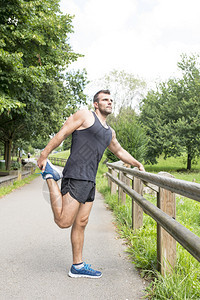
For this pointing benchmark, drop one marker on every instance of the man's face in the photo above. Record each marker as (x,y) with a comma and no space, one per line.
(105,103)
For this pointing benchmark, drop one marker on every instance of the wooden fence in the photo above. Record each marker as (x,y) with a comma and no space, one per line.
(17,175)
(58,161)
(130,181)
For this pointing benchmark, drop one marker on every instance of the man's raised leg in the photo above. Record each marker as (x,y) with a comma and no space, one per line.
(65,208)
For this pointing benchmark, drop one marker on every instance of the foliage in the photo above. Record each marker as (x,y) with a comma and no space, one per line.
(34,52)
(75,84)
(15,166)
(170,115)
(7,104)
(126,89)
(67,143)
(129,134)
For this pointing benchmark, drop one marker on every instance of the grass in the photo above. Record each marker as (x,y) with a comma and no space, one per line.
(176,167)
(172,164)
(63,154)
(184,282)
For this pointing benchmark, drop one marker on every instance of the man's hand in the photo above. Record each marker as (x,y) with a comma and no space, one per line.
(141,167)
(41,162)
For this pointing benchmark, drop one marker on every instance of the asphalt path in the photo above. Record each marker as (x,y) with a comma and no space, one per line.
(35,254)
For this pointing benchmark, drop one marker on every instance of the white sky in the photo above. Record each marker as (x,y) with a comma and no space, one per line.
(143,37)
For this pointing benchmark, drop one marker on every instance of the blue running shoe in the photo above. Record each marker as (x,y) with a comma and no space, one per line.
(51,172)
(85,271)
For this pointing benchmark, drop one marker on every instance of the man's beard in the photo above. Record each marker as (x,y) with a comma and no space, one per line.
(106,111)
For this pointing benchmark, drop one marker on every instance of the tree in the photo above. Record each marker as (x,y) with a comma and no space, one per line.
(129,134)
(67,143)
(126,89)
(75,85)
(34,52)
(170,114)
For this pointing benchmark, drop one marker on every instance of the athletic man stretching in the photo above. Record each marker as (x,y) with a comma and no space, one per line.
(72,205)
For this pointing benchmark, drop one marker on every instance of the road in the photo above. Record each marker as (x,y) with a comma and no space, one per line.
(35,254)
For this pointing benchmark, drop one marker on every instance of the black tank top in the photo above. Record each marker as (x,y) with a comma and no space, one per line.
(88,146)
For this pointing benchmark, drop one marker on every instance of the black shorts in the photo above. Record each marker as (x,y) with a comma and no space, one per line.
(81,190)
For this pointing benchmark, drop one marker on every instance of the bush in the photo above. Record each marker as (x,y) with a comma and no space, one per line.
(15,166)
(129,133)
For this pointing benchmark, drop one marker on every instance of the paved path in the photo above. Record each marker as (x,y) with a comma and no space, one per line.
(35,254)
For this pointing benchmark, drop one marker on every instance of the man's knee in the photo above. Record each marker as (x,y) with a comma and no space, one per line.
(82,222)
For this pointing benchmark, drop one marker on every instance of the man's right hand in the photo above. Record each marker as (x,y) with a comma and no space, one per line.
(41,162)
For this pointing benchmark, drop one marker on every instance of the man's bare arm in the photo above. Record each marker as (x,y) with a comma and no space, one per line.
(72,123)
(122,154)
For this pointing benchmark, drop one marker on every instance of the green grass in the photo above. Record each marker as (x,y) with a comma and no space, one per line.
(16,184)
(184,282)
(172,164)
(63,154)
(176,167)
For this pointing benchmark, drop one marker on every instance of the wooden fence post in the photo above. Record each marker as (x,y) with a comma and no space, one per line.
(113,186)
(109,180)
(121,193)
(19,175)
(166,244)
(137,211)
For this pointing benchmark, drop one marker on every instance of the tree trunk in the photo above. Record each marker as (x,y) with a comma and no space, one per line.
(7,153)
(189,162)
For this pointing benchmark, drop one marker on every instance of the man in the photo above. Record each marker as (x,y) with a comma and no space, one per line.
(72,205)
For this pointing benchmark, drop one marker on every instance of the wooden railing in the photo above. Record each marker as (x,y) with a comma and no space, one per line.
(168,229)
(17,175)
(58,161)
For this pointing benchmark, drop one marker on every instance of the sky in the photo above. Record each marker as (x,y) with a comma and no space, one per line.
(142,37)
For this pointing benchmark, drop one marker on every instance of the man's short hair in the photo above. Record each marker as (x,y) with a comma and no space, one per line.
(96,96)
